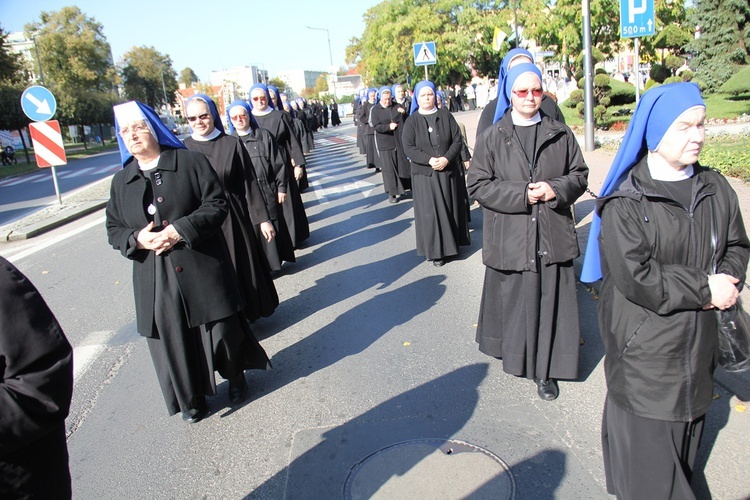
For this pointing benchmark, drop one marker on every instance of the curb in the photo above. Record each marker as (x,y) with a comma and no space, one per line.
(56,221)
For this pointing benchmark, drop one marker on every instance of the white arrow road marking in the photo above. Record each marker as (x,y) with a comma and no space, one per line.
(42,106)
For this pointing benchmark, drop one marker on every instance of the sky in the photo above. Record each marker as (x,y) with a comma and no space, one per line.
(216,35)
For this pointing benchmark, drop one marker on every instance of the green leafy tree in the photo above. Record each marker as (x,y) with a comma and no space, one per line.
(13,78)
(321,85)
(147,75)
(76,62)
(461,29)
(278,83)
(724,44)
(188,77)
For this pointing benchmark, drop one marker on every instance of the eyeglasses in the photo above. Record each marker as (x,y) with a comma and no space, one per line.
(523,93)
(137,127)
(202,117)
(259,98)
(236,118)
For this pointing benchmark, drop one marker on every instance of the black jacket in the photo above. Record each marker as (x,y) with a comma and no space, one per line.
(380,120)
(192,199)
(419,150)
(498,179)
(656,255)
(36,385)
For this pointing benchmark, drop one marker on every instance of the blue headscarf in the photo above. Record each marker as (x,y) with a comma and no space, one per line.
(393,90)
(503,102)
(655,113)
(273,90)
(264,88)
(512,76)
(211,108)
(382,89)
(417,88)
(367,95)
(133,110)
(248,110)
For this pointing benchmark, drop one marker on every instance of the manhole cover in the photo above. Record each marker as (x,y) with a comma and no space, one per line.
(430,468)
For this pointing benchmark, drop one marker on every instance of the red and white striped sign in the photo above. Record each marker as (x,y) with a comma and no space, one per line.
(48,143)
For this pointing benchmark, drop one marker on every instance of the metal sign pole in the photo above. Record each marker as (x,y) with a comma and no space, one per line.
(588,69)
(425,73)
(57,186)
(637,44)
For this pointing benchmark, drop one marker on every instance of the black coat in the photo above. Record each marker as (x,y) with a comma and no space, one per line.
(498,179)
(380,120)
(192,199)
(36,385)
(660,344)
(417,143)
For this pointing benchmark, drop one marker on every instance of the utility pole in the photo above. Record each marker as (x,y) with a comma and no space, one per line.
(588,70)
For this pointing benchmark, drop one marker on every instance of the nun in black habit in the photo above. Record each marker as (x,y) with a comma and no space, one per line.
(280,126)
(432,141)
(271,175)
(387,122)
(165,213)
(527,173)
(368,133)
(246,207)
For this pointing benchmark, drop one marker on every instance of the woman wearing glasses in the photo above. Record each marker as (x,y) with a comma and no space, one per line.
(231,162)
(281,128)
(527,172)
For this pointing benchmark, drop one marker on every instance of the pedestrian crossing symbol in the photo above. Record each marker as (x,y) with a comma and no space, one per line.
(424,54)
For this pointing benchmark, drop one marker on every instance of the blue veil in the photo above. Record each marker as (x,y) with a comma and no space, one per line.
(133,110)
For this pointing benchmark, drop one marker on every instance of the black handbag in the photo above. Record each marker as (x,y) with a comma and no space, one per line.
(733,323)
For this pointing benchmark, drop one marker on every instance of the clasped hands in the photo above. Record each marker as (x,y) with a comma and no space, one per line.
(160,241)
(724,292)
(438,163)
(539,191)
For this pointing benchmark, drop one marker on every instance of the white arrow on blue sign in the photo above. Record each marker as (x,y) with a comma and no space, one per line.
(38,103)
(637,18)
(424,54)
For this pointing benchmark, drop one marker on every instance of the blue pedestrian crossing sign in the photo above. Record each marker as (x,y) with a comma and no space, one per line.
(38,103)
(637,18)
(424,53)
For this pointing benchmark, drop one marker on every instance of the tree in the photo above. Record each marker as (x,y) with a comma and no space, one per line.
(278,83)
(321,85)
(148,77)
(724,43)
(188,77)
(13,79)
(75,59)
(384,52)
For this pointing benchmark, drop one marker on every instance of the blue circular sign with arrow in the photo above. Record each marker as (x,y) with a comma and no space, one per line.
(38,103)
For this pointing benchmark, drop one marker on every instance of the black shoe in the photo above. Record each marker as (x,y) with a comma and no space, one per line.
(237,388)
(547,389)
(196,414)
(438,262)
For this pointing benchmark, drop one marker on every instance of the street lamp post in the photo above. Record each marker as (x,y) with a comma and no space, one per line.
(328,33)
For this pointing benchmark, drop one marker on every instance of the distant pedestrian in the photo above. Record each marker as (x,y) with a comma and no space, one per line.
(386,121)
(527,172)
(36,386)
(432,141)
(471,96)
(335,120)
(368,133)
(651,241)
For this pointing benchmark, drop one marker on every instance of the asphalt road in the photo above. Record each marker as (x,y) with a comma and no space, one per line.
(22,195)
(371,347)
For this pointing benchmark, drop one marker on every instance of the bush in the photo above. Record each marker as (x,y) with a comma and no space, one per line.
(600,113)
(574,98)
(659,73)
(601,80)
(579,108)
(673,63)
(600,71)
(687,75)
(579,75)
(673,79)
(622,93)
(700,84)
(739,83)
(651,83)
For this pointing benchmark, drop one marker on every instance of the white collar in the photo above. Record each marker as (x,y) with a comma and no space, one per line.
(205,138)
(149,165)
(662,171)
(257,112)
(242,133)
(520,121)
(423,111)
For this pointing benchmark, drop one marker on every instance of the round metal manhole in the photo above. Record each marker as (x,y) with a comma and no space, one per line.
(430,468)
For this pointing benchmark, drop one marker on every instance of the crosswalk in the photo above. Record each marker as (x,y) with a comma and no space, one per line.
(46,175)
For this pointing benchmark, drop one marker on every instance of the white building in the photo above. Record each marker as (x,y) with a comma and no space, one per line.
(243,77)
(299,79)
